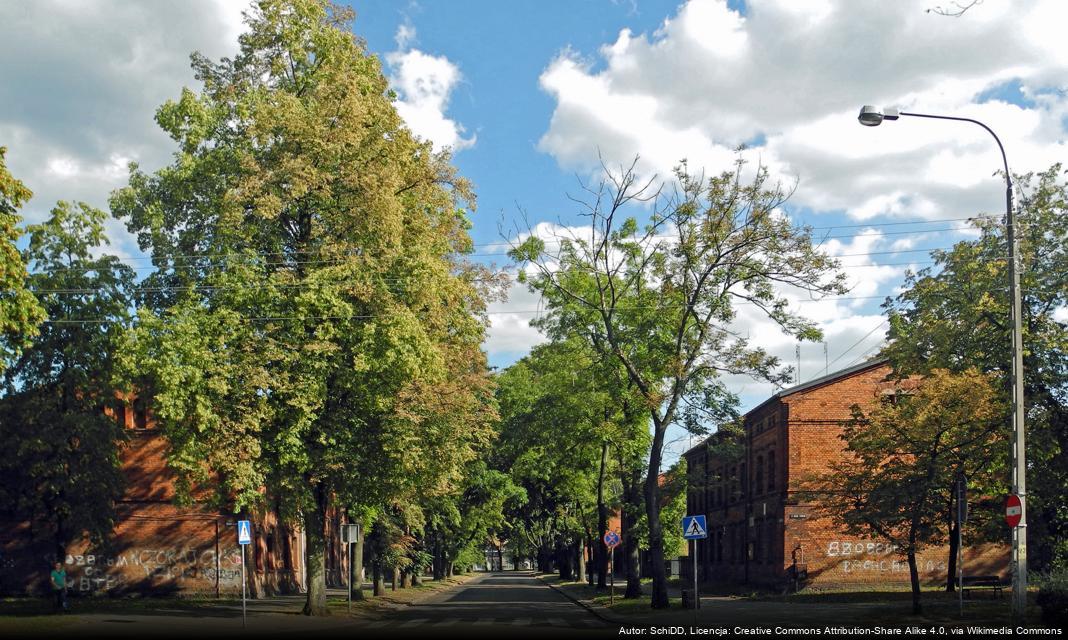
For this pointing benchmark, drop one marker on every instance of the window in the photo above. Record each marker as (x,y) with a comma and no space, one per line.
(772,471)
(140,411)
(758,487)
(734,484)
(271,564)
(745,481)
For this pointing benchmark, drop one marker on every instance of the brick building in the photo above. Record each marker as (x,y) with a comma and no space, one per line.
(760,529)
(158,547)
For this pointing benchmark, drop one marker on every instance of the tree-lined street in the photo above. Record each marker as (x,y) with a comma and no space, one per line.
(265,347)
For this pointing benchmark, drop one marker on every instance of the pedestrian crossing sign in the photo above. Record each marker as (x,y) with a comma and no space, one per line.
(244,532)
(694,528)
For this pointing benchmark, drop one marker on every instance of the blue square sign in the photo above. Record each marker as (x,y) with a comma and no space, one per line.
(694,528)
(244,532)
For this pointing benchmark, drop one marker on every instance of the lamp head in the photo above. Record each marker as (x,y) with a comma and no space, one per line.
(873,116)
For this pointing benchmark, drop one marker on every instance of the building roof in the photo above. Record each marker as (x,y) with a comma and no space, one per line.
(805,386)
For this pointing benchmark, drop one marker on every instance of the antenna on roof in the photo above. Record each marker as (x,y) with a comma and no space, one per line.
(797,352)
(826,363)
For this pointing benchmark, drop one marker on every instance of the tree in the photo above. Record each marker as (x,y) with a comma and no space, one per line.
(955,315)
(659,301)
(311,314)
(20,313)
(903,456)
(64,472)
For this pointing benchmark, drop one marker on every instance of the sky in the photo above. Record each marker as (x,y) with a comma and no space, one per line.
(529,96)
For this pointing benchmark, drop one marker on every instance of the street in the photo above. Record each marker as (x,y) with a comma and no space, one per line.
(516,604)
(512,603)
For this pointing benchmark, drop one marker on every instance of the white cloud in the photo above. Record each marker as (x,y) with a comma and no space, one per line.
(80,85)
(424,84)
(788,78)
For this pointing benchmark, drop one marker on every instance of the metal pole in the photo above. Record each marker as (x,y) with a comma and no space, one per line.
(348,547)
(696,600)
(611,579)
(1019,427)
(244,620)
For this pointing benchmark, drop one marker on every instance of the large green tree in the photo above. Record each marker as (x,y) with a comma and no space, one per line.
(955,315)
(311,327)
(63,473)
(659,300)
(20,313)
(902,458)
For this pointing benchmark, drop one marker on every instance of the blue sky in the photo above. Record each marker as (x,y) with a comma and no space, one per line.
(528,94)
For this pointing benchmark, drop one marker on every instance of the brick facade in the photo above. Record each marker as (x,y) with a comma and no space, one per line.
(157,547)
(760,529)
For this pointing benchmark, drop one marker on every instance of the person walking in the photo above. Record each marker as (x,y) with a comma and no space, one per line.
(58,581)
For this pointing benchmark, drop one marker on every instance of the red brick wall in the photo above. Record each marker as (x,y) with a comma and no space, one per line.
(765,531)
(156,547)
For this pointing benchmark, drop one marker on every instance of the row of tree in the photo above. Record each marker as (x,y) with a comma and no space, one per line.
(308,333)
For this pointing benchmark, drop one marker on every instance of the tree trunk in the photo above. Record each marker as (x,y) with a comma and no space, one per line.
(951,576)
(394,573)
(448,569)
(628,515)
(379,583)
(600,550)
(356,572)
(581,549)
(315,555)
(659,598)
(563,562)
(914,576)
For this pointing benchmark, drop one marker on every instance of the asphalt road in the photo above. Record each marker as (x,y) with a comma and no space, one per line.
(500,604)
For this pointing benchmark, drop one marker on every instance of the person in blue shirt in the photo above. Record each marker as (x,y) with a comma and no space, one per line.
(58,581)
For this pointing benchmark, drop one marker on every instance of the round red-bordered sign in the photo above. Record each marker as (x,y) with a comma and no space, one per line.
(1013,510)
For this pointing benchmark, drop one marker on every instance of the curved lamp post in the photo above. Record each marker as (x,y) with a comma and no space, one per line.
(872,117)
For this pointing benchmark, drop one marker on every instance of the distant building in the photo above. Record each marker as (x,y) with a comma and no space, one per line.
(158,547)
(760,531)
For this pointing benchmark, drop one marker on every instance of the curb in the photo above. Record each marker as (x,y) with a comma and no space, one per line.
(597,611)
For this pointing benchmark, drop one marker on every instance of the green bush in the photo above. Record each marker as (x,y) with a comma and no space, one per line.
(1053,597)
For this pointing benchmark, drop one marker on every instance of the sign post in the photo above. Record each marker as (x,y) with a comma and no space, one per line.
(694,528)
(350,535)
(244,538)
(611,540)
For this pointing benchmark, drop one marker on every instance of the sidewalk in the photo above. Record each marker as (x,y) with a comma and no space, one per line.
(275,615)
(728,610)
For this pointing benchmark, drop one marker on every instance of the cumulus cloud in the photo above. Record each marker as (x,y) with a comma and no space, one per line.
(424,83)
(787,78)
(80,85)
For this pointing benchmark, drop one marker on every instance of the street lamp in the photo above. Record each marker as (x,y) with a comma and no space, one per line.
(873,116)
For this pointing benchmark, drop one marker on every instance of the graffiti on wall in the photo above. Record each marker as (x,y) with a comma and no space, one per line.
(97,572)
(850,550)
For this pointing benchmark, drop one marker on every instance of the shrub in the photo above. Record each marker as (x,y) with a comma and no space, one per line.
(1053,597)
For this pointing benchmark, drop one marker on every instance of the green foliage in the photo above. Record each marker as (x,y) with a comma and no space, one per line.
(955,315)
(902,457)
(673,509)
(658,301)
(64,473)
(312,327)
(20,313)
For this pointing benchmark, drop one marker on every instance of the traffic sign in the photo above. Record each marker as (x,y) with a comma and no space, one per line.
(611,539)
(244,532)
(350,533)
(694,528)
(1013,510)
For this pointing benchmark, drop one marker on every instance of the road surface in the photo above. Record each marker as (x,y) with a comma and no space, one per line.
(505,604)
